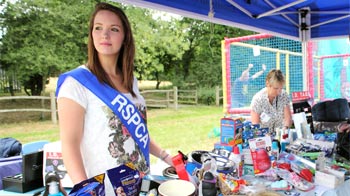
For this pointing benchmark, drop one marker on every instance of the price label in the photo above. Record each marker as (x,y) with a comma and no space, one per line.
(301,95)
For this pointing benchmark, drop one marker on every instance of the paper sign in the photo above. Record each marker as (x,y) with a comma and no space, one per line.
(256,50)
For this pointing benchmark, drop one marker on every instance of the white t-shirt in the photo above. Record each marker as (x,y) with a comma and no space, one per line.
(106,143)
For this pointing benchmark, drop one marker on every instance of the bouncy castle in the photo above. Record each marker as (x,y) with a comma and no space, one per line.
(247,60)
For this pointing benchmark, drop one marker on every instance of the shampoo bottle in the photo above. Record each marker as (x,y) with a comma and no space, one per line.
(237,159)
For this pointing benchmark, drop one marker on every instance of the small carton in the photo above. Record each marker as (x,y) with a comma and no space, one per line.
(231,131)
(329,177)
(53,162)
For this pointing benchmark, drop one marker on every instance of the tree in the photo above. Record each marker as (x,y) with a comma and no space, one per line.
(201,63)
(158,44)
(40,38)
(43,38)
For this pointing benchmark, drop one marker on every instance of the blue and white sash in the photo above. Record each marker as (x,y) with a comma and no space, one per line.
(120,105)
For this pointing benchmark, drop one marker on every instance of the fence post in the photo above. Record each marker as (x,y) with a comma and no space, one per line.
(175,97)
(217,95)
(53,107)
(42,116)
(167,99)
(196,99)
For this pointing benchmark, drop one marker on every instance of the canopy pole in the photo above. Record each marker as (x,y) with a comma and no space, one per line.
(284,15)
(279,8)
(304,24)
(330,21)
(304,36)
(240,8)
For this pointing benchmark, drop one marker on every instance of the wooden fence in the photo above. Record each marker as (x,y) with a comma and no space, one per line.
(174,97)
(52,109)
(169,98)
(154,98)
(218,95)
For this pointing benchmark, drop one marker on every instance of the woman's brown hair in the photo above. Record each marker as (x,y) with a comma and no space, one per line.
(125,61)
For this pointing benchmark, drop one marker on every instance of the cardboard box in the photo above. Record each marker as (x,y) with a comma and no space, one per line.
(229,128)
(329,178)
(53,161)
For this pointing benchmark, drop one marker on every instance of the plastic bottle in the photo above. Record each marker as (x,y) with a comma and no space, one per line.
(284,142)
(292,135)
(275,150)
(320,162)
(53,189)
(240,147)
(274,153)
(237,159)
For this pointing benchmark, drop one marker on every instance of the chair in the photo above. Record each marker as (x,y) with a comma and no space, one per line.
(33,146)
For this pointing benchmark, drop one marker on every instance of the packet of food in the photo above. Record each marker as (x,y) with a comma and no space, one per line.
(125,179)
(91,187)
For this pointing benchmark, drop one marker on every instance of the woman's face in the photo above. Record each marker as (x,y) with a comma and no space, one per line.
(107,33)
(274,89)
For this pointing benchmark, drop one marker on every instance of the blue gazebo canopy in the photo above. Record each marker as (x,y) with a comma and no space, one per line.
(293,19)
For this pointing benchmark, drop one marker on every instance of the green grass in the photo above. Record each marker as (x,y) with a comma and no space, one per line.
(31,131)
(185,129)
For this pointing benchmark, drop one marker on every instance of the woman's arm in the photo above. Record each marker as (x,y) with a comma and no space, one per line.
(157,151)
(287,117)
(71,123)
(255,117)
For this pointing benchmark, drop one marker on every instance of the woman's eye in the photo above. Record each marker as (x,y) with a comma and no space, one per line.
(115,29)
(98,28)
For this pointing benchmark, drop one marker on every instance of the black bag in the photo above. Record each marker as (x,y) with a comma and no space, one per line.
(332,111)
(343,144)
(9,147)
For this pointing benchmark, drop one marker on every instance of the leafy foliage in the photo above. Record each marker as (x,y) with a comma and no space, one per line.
(201,64)
(158,44)
(40,38)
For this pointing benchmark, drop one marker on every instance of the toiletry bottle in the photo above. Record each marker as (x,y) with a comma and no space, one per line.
(237,159)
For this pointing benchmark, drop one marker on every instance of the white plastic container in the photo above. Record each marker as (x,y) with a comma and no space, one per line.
(237,159)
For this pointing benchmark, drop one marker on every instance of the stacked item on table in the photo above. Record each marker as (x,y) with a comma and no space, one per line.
(250,160)
(230,133)
(331,119)
(217,172)
(302,102)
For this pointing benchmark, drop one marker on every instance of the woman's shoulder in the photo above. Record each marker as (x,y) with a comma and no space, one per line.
(285,96)
(71,85)
(259,97)
(261,93)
